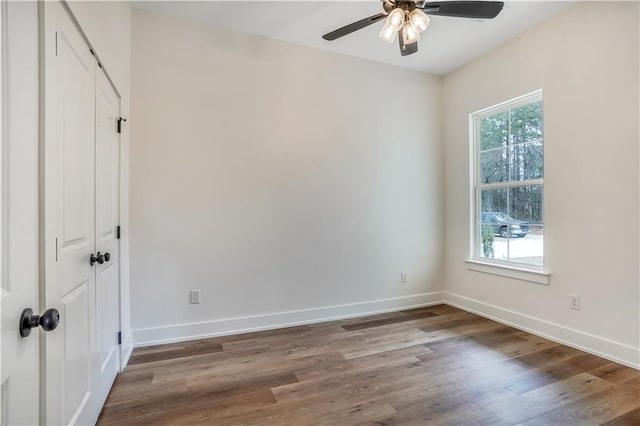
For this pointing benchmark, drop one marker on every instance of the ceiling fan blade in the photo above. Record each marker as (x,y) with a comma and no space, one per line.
(355,26)
(464,9)
(407,49)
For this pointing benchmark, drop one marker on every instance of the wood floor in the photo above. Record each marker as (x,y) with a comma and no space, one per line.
(435,366)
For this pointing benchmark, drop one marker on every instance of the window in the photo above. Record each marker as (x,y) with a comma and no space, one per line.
(508,170)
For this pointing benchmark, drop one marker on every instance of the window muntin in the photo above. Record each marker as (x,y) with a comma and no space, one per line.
(508,165)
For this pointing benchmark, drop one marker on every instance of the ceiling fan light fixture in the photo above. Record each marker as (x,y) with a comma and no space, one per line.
(408,18)
(419,20)
(396,18)
(409,35)
(388,33)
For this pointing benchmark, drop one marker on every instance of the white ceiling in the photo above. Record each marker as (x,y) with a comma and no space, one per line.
(447,44)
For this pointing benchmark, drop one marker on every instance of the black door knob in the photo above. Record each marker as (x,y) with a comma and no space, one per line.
(48,321)
(107,257)
(97,258)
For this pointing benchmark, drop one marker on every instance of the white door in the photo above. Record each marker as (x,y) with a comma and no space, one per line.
(69,155)
(19,384)
(106,202)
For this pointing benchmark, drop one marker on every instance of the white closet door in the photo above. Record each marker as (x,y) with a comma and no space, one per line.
(106,201)
(70,72)
(19,392)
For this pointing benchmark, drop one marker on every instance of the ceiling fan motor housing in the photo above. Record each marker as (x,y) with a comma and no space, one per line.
(389,5)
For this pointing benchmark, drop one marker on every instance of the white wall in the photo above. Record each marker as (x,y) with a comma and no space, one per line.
(276,178)
(586,61)
(107,25)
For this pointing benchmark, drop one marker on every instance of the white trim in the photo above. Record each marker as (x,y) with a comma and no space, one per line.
(4,143)
(476,187)
(536,95)
(227,326)
(126,350)
(510,184)
(509,270)
(587,342)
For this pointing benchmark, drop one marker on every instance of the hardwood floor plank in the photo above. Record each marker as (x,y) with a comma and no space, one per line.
(287,331)
(552,365)
(198,394)
(615,373)
(594,409)
(205,413)
(206,359)
(342,383)
(386,321)
(515,409)
(434,365)
(631,418)
(569,389)
(251,366)
(328,413)
(378,360)
(193,349)
(440,309)
(382,316)
(149,392)
(386,342)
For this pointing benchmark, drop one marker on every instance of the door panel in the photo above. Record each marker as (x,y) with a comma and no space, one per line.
(77,366)
(106,201)
(75,79)
(19,382)
(69,218)
(107,302)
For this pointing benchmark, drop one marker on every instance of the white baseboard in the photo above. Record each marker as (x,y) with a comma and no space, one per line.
(222,327)
(605,348)
(127,350)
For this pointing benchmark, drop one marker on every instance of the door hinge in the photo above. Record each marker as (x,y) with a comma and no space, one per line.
(118,232)
(119,337)
(120,120)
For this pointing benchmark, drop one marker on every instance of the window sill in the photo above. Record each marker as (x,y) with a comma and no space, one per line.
(522,274)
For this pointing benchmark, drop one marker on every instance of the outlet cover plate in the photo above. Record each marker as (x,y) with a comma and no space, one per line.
(194,297)
(574,302)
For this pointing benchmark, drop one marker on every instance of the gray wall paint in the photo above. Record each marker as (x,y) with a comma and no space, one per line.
(586,62)
(276,177)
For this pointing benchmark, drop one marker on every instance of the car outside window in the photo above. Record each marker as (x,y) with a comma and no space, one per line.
(507,185)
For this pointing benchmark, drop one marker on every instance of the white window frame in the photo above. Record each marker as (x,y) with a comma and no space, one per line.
(521,271)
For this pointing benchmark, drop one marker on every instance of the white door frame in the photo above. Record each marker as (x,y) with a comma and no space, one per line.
(19,383)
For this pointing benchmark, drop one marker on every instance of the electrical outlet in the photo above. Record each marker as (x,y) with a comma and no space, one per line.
(194,297)
(574,302)
(403,277)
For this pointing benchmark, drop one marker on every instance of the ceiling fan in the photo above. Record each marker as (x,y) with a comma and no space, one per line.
(411,17)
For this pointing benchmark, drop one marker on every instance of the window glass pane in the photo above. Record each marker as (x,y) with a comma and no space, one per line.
(526,123)
(492,219)
(494,131)
(526,223)
(494,166)
(526,161)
